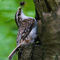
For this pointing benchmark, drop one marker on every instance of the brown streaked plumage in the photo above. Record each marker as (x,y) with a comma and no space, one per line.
(24,29)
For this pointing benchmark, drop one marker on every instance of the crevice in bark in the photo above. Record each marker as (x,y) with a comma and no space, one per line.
(37,18)
(36,15)
(56,57)
(48,7)
(38,0)
(39,42)
(19,55)
(59,3)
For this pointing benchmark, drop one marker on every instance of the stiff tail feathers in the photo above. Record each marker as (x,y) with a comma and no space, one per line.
(15,50)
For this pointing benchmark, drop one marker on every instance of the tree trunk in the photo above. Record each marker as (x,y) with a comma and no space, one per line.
(48,17)
(48,29)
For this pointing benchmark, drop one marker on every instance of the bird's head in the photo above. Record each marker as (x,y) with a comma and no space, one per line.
(19,14)
(20,8)
(21,5)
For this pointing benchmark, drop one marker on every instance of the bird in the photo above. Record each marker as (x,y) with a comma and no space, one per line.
(27,29)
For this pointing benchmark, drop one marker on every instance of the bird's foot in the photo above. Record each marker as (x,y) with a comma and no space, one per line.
(27,40)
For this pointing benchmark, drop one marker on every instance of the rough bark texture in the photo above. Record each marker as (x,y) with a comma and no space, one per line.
(26,52)
(48,32)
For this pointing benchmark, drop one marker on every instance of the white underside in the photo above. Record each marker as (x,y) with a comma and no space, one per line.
(23,16)
(33,34)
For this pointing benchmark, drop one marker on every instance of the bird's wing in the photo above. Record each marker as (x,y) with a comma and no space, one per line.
(28,28)
(25,28)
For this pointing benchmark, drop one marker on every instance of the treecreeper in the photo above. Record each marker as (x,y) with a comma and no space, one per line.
(27,29)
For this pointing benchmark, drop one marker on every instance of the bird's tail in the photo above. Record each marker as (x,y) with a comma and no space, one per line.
(15,50)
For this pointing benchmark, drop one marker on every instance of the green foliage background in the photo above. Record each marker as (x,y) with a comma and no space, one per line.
(8,28)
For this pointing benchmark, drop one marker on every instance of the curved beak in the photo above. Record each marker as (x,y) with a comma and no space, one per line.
(19,7)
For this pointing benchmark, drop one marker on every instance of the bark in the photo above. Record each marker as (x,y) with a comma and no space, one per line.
(26,52)
(48,30)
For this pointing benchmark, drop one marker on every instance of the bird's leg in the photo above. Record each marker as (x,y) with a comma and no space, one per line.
(27,40)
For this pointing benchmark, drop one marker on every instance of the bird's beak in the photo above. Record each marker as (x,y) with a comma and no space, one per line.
(20,7)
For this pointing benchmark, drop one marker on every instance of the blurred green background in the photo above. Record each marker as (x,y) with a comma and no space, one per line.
(8,27)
